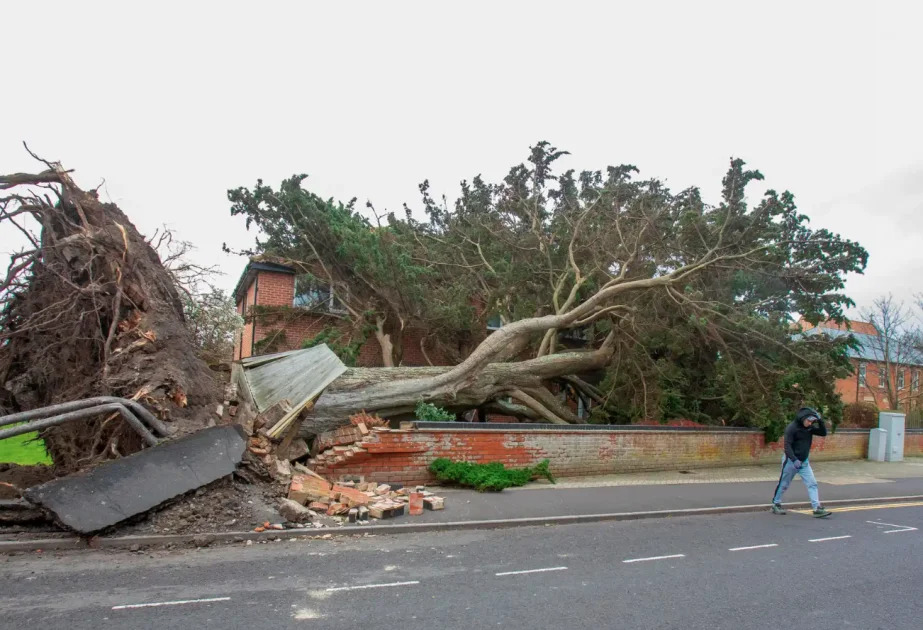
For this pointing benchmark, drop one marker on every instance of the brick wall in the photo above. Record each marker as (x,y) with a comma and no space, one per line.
(404,456)
(244,341)
(913,443)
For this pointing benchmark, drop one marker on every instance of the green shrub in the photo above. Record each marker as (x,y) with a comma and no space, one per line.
(492,477)
(861,415)
(425,412)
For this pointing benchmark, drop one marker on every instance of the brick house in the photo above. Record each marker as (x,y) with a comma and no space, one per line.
(293,308)
(874,372)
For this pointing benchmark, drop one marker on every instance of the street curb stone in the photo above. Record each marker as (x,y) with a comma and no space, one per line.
(126,542)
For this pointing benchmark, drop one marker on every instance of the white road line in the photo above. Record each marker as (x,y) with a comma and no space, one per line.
(174,603)
(753,547)
(830,538)
(678,555)
(902,528)
(531,571)
(364,586)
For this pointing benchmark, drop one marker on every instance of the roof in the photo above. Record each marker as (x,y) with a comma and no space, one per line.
(298,376)
(253,266)
(862,328)
(870,347)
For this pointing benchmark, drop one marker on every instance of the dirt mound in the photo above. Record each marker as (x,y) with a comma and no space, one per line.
(21,477)
(92,311)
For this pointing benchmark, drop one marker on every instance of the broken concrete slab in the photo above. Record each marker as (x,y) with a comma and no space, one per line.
(120,489)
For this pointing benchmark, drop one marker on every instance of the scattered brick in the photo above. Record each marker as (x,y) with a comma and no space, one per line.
(416,504)
(434,503)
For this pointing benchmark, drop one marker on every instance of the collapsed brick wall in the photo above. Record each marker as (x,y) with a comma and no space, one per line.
(404,456)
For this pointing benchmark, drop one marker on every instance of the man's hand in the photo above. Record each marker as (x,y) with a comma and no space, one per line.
(797,464)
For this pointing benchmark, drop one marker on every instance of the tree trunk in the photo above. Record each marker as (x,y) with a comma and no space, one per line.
(396,391)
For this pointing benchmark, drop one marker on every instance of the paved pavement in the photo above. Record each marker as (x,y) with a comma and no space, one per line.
(858,569)
(649,492)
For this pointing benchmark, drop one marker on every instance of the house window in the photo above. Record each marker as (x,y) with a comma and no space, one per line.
(494,323)
(313,295)
(900,379)
(915,380)
(863,368)
(882,377)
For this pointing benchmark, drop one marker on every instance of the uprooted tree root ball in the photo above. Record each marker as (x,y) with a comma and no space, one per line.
(88,309)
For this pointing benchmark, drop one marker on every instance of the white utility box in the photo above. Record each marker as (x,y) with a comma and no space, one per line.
(893,424)
(878,445)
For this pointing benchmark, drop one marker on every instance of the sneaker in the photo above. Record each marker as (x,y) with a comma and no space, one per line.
(822,512)
(777,508)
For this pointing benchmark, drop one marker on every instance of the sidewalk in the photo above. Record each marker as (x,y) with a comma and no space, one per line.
(677,491)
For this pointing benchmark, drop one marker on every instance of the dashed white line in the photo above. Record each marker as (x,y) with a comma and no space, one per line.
(678,555)
(365,586)
(754,547)
(173,603)
(830,538)
(531,571)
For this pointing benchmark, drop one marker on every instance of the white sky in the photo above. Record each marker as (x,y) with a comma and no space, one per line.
(175,103)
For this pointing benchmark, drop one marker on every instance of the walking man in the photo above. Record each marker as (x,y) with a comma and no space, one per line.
(798,436)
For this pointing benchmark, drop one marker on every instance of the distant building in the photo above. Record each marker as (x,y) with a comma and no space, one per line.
(879,364)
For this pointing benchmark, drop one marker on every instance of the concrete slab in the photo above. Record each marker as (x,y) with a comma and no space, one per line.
(118,490)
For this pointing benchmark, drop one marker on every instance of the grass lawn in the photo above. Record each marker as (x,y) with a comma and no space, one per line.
(23,450)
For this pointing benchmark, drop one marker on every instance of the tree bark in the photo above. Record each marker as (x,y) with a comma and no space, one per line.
(395,392)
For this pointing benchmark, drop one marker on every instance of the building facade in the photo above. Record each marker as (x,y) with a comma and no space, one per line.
(283,309)
(886,373)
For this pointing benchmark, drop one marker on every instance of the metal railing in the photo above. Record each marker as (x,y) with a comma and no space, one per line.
(134,413)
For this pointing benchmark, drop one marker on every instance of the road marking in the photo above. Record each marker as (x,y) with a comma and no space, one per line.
(830,538)
(678,555)
(364,586)
(531,571)
(754,547)
(857,508)
(173,603)
(901,528)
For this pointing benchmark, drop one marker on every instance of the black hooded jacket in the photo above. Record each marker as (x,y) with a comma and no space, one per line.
(798,438)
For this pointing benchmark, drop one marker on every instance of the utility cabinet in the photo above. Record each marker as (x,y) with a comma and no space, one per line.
(878,445)
(893,424)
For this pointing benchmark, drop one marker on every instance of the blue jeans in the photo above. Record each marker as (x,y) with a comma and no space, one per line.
(807,476)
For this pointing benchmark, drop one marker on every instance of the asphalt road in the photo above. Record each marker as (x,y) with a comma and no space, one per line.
(859,569)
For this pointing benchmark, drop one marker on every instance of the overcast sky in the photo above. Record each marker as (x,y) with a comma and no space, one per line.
(174,103)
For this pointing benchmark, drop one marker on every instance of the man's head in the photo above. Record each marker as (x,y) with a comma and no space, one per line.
(807,416)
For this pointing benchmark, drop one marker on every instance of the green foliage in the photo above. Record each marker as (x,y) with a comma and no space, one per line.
(275,341)
(212,316)
(426,412)
(861,415)
(346,344)
(716,347)
(492,477)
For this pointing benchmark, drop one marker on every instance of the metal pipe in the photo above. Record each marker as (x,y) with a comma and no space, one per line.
(74,405)
(38,425)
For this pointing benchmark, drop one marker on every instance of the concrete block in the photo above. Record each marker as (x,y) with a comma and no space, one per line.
(120,489)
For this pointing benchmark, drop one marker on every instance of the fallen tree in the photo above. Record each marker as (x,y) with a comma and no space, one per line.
(88,309)
(684,305)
